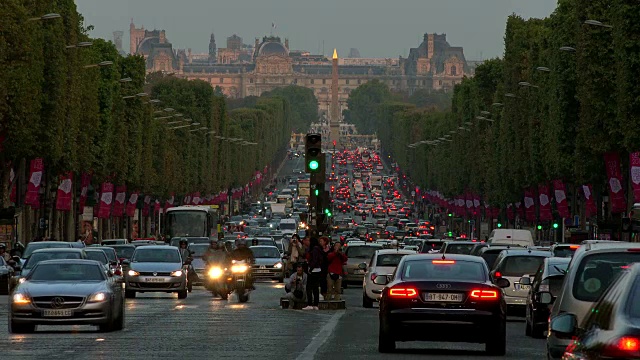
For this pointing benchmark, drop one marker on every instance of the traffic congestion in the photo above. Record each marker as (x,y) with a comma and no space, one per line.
(429,282)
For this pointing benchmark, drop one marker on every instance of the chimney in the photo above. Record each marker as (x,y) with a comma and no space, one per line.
(430,46)
(189,51)
(163,39)
(286,43)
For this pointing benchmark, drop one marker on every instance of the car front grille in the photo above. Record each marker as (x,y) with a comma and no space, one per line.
(147,273)
(58,302)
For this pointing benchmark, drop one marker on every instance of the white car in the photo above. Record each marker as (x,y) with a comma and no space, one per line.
(383,263)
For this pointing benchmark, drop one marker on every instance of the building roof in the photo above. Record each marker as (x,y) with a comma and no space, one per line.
(272,48)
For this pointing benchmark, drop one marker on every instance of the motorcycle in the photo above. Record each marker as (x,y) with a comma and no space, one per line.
(240,271)
(217,281)
(192,277)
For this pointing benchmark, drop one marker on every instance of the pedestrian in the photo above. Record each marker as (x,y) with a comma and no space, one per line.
(314,259)
(336,259)
(3,253)
(325,244)
(294,252)
(296,287)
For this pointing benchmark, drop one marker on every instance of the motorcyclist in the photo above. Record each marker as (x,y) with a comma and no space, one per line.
(243,253)
(3,253)
(185,253)
(216,254)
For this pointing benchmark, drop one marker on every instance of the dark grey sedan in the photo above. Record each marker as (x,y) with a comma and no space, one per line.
(156,268)
(67,292)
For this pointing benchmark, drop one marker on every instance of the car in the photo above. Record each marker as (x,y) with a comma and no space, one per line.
(42,255)
(33,246)
(457,247)
(269,263)
(490,253)
(513,264)
(548,277)
(610,329)
(358,255)
(593,268)
(6,274)
(383,263)
(67,292)
(190,240)
(108,242)
(156,268)
(431,245)
(564,250)
(112,264)
(432,297)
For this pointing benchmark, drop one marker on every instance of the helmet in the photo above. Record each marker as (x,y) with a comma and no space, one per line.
(183,241)
(3,246)
(213,242)
(241,242)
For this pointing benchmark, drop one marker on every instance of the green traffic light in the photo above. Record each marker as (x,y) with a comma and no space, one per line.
(314,165)
(499,225)
(555,225)
(450,214)
(539,227)
(317,192)
(450,233)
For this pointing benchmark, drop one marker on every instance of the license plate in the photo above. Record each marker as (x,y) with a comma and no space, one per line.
(154,280)
(522,287)
(261,271)
(443,297)
(57,313)
(359,272)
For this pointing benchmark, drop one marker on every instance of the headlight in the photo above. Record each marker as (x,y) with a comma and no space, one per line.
(98,297)
(278,265)
(215,272)
(177,273)
(239,268)
(21,299)
(133,273)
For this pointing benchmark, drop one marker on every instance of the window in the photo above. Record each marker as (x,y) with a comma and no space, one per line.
(596,272)
(440,82)
(459,270)
(324,81)
(454,70)
(312,81)
(359,81)
(520,265)
(347,81)
(250,81)
(221,80)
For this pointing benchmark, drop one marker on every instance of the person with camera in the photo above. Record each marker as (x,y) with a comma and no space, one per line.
(296,287)
(336,260)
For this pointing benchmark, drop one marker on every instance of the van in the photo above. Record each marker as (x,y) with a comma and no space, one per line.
(594,266)
(288,226)
(510,237)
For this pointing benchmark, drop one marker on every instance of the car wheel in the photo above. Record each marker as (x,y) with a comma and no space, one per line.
(129,294)
(537,332)
(224,296)
(109,326)
(281,279)
(182,294)
(190,287)
(119,323)
(21,328)
(527,327)
(497,346)
(4,286)
(366,301)
(386,342)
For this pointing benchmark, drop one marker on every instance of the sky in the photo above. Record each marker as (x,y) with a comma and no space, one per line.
(377,28)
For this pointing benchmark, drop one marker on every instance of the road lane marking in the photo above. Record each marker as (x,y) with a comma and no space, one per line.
(321,337)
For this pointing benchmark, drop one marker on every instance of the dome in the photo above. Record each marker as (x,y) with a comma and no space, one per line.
(273,48)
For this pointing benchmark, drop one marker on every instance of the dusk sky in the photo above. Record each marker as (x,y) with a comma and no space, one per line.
(378,28)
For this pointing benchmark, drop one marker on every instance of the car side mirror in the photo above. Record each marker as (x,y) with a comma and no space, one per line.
(545,297)
(126,262)
(362,266)
(564,324)
(502,283)
(380,280)
(525,280)
(114,262)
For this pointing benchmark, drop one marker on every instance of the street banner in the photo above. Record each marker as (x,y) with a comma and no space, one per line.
(510,215)
(118,205)
(85,181)
(13,195)
(63,198)
(35,179)
(186,200)
(634,164)
(195,199)
(169,203)
(156,207)
(616,192)
(519,209)
(476,202)
(106,200)
(495,212)
(529,205)
(545,203)
(131,204)
(561,199)
(147,203)
(590,202)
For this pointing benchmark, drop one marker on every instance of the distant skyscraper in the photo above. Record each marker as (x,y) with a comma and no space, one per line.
(354,53)
(117,40)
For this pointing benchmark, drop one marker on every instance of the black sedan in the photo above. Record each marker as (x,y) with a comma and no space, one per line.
(611,330)
(434,297)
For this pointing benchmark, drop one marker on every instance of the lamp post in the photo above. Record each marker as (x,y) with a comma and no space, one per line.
(82,44)
(50,16)
(100,64)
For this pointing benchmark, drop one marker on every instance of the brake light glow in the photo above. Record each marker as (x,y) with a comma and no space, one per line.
(403,292)
(573,247)
(627,343)
(634,250)
(498,274)
(484,294)
(443,262)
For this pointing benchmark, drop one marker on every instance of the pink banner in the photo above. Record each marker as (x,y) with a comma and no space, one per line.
(85,181)
(545,203)
(634,165)
(156,207)
(106,200)
(195,200)
(14,195)
(529,205)
(616,193)
(519,209)
(590,202)
(63,199)
(561,199)
(35,179)
(510,214)
(131,204)
(169,203)
(147,204)
(118,205)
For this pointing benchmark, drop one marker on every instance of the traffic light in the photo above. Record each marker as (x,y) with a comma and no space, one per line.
(326,204)
(313,150)
(499,225)
(539,227)
(450,214)
(450,233)
(555,225)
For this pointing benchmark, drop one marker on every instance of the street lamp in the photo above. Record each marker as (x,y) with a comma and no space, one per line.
(80,45)
(567,48)
(597,23)
(544,69)
(497,104)
(100,64)
(163,117)
(126,80)
(485,113)
(46,17)
(169,110)
(510,95)
(527,84)
(174,122)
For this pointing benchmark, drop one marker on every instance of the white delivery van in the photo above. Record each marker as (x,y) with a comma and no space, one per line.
(288,226)
(511,237)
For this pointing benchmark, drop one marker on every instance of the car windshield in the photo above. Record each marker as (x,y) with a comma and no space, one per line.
(124,252)
(257,242)
(156,255)
(596,272)
(67,272)
(198,250)
(464,249)
(265,252)
(429,269)
(431,246)
(287,226)
(42,256)
(111,254)
(518,266)
(361,252)
(565,252)
(36,246)
(389,259)
(98,256)
(490,257)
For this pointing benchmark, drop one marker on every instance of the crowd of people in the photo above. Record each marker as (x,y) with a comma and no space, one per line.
(317,269)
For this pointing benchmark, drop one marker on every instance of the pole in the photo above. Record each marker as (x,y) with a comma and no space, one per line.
(562,239)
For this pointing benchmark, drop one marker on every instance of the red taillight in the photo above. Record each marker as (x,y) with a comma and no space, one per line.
(373,276)
(498,274)
(443,262)
(574,247)
(628,343)
(403,292)
(484,294)
(634,250)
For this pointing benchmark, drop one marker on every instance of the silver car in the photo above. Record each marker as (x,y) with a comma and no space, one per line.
(67,292)
(268,263)
(357,258)
(156,268)
(43,255)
